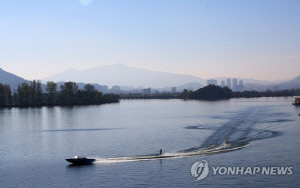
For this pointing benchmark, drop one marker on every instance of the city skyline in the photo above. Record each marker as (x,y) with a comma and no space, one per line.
(207,39)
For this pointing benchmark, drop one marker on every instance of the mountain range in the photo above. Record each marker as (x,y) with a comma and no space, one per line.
(122,75)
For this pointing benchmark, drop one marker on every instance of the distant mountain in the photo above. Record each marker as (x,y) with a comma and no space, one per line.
(295,80)
(123,75)
(292,84)
(282,80)
(11,79)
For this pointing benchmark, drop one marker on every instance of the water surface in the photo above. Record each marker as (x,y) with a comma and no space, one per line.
(123,138)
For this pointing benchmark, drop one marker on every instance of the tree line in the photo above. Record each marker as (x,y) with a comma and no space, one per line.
(267,93)
(31,94)
(212,92)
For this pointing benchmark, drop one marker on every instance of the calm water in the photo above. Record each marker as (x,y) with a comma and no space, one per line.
(35,142)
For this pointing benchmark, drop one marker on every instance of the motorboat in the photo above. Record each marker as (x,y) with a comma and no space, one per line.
(297,101)
(80,160)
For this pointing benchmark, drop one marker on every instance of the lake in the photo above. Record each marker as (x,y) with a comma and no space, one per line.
(123,137)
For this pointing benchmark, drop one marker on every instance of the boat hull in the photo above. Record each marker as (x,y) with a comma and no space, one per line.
(81,161)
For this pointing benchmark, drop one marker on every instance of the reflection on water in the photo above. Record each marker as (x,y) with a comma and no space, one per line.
(60,130)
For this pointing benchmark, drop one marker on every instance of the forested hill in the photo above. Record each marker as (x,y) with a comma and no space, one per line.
(211,92)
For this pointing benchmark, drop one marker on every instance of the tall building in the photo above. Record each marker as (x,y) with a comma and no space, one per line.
(115,89)
(173,89)
(147,91)
(223,84)
(212,82)
(241,85)
(229,83)
(102,88)
(234,84)
(241,82)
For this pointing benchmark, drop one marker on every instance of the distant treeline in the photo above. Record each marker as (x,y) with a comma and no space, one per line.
(212,92)
(268,93)
(31,94)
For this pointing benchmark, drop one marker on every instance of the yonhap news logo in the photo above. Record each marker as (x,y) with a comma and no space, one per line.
(200,170)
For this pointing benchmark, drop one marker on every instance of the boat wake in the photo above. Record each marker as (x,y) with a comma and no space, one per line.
(236,134)
(224,147)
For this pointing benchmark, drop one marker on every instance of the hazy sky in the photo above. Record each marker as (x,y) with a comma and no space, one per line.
(258,39)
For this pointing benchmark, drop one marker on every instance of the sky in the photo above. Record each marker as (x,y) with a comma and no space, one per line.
(209,39)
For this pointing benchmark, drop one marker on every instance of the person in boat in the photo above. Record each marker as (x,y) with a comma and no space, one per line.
(160,151)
